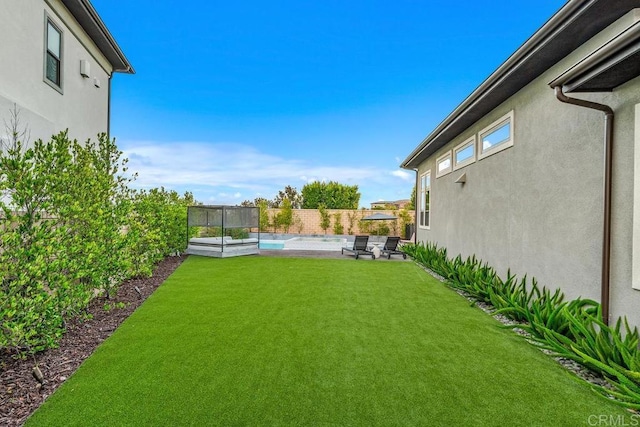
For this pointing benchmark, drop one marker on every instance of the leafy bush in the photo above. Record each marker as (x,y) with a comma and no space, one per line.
(405,218)
(573,330)
(264,215)
(325,218)
(364,227)
(283,218)
(338,228)
(156,228)
(351,220)
(382,229)
(70,229)
(331,195)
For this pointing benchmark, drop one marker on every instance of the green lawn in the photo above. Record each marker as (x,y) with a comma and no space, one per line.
(315,342)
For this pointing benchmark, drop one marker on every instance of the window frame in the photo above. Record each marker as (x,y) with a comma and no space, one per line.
(469,142)
(496,125)
(439,160)
(48,21)
(424,220)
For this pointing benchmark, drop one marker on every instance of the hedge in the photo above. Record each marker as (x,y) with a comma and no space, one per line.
(72,229)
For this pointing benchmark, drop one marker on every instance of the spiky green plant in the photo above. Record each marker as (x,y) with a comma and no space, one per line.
(570,329)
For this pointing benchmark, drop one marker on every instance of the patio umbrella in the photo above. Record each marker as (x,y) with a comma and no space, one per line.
(379,216)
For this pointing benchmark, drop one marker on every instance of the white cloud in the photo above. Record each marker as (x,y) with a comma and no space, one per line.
(229,173)
(402,174)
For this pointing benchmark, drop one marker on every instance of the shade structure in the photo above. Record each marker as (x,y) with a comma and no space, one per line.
(379,217)
(218,222)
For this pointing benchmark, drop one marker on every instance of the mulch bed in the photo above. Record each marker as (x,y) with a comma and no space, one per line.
(21,393)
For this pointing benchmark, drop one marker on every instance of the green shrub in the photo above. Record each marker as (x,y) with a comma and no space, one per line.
(573,330)
(264,215)
(70,229)
(237,233)
(325,218)
(338,228)
(351,221)
(156,228)
(285,216)
(405,218)
(234,233)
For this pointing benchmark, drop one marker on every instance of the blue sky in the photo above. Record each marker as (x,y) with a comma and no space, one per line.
(236,100)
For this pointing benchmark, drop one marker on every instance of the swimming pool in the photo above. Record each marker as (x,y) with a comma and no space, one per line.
(320,239)
(271,244)
(305,244)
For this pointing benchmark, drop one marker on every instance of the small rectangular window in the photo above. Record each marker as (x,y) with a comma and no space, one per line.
(425,199)
(496,137)
(465,153)
(53,55)
(443,164)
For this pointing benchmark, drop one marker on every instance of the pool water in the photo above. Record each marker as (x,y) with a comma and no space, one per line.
(320,239)
(304,244)
(271,244)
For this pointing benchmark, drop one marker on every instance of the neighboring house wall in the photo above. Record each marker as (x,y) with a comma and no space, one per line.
(399,204)
(536,207)
(80,106)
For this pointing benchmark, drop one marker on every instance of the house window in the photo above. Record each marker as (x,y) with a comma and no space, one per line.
(443,164)
(425,199)
(53,55)
(496,137)
(465,153)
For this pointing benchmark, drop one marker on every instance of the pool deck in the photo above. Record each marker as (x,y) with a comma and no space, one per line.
(323,254)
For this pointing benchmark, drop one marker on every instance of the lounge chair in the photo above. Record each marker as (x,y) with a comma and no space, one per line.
(410,241)
(391,248)
(360,247)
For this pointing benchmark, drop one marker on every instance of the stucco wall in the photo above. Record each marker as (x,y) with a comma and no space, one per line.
(536,207)
(81,107)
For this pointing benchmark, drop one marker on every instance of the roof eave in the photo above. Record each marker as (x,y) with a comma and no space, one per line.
(574,23)
(88,18)
(609,66)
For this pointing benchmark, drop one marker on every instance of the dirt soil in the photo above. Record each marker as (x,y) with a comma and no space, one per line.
(21,393)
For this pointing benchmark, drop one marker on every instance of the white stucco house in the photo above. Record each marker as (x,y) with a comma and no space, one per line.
(538,169)
(58,62)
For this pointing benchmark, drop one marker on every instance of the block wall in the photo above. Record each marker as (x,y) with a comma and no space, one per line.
(307,221)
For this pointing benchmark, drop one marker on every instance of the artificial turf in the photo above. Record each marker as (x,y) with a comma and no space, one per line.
(285,341)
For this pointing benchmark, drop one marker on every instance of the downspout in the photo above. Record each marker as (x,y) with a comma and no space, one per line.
(109,106)
(606,234)
(415,212)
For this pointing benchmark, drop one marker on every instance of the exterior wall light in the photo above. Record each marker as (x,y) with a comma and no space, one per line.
(462,179)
